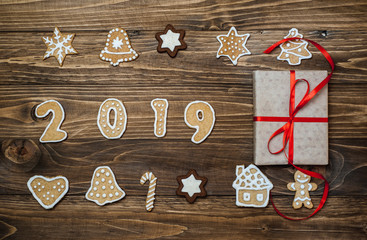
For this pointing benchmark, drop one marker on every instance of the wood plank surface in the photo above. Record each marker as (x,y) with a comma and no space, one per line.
(84,82)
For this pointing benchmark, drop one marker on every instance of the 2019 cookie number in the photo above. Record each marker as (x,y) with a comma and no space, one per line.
(112,119)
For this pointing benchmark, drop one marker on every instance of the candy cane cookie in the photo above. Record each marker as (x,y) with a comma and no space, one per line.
(151,193)
(118,127)
(201,116)
(160,107)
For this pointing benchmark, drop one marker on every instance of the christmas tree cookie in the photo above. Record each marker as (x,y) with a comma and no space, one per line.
(295,50)
(118,48)
(104,188)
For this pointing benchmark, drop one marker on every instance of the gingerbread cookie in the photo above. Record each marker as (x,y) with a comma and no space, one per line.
(149,176)
(295,50)
(118,48)
(191,186)
(59,45)
(52,133)
(104,188)
(252,187)
(115,130)
(302,187)
(201,116)
(160,107)
(232,45)
(170,40)
(48,191)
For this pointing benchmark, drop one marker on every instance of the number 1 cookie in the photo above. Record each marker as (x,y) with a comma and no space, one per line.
(201,116)
(160,107)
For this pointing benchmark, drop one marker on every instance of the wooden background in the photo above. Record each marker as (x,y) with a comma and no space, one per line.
(84,82)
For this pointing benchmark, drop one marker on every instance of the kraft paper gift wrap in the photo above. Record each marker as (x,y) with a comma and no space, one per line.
(271,99)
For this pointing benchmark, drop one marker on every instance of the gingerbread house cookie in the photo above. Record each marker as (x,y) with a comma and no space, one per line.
(252,187)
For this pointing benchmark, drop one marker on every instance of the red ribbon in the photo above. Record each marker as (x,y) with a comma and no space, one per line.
(287,128)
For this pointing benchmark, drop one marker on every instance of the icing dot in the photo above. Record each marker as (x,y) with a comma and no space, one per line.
(47,199)
(52,195)
(58,183)
(39,189)
(43,186)
(299,50)
(287,55)
(112,187)
(91,194)
(288,44)
(127,42)
(95,188)
(54,187)
(43,195)
(103,179)
(302,192)
(103,187)
(308,203)
(104,195)
(48,193)
(97,195)
(62,186)
(109,181)
(35,186)
(116,193)
(302,186)
(111,195)
(107,174)
(97,174)
(59,190)
(39,184)
(97,182)
(297,203)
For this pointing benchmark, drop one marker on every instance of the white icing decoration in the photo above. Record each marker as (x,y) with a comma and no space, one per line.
(191,185)
(244,39)
(246,180)
(170,40)
(51,205)
(52,119)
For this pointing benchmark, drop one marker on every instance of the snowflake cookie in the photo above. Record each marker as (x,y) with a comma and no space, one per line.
(118,48)
(295,50)
(59,45)
(232,45)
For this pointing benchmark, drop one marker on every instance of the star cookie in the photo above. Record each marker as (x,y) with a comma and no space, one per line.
(48,191)
(170,41)
(59,45)
(191,186)
(232,45)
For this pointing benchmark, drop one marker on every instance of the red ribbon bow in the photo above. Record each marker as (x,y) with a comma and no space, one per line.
(287,128)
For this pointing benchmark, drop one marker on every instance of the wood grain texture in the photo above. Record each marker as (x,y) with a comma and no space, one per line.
(85,81)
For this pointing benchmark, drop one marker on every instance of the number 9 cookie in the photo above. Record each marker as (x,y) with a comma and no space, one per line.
(201,116)
(115,130)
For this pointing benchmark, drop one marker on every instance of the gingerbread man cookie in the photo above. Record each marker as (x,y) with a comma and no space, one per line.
(302,186)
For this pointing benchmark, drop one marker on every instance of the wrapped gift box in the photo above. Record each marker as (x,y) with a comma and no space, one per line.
(271,99)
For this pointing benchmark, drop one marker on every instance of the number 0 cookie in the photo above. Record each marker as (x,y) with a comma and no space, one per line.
(201,116)
(117,109)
